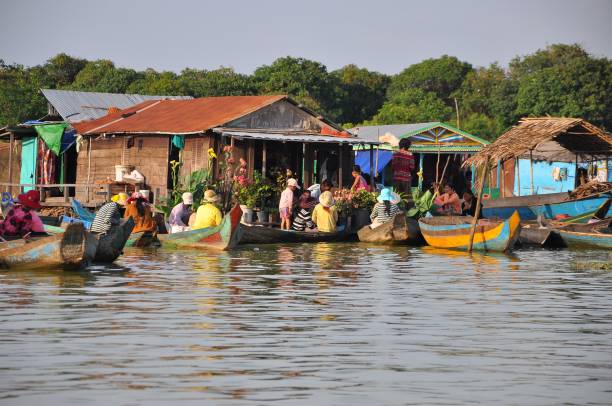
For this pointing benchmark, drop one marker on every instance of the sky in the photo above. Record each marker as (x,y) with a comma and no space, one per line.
(382,35)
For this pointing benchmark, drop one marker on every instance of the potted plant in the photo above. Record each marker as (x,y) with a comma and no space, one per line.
(363,202)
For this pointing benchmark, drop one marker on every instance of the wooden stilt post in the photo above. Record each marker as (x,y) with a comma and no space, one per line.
(264,158)
(372,181)
(518,174)
(531,171)
(88,167)
(478,203)
(503,181)
(10,162)
(376,165)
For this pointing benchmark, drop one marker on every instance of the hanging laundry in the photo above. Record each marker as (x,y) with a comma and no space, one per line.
(52,134)
(178,141)
(556,174)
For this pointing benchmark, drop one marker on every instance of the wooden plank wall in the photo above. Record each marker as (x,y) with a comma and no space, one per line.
(195,154)
(148,154)
(4,160)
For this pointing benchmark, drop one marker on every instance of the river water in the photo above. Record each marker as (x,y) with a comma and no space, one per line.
(333,324)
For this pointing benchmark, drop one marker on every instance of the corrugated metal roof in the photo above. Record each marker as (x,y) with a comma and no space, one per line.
(177,116)
(372,132)
(296,137)
(74,106)
(445,149)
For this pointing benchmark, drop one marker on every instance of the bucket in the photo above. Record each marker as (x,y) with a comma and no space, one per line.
(121,170)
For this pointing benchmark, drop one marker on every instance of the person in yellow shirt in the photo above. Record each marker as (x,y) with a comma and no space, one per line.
(208,215)
(325,214)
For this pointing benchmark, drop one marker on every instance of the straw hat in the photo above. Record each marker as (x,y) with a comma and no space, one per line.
(30,199)
(187,198)
(293,182)
(210,196)
(326,199)
(387,194)
(120,198)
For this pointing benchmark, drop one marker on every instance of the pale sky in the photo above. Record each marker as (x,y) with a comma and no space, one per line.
(381,35)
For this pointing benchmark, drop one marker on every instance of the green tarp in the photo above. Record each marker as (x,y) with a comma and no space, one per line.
(51,134)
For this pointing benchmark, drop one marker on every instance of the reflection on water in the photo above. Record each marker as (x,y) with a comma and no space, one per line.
(310,324)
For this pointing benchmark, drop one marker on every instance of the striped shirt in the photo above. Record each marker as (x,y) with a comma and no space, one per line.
(303,220)
(380,215)
(106,217)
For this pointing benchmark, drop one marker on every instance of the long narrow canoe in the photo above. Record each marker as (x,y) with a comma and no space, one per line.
(110,245)
(579,210)
(399,230)
(66,250)
(222,237)
(532,234)
(454,232)
(596,235)
(504,207)
(259,234)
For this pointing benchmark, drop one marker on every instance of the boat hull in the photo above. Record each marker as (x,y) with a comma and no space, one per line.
(256,234)
(488,236)
(400,230)
(66,250)
(580,210)
(595,235)
(143,239)
(110,245)
(225,236)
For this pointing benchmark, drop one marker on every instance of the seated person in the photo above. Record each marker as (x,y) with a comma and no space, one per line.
(138,208)
(303,220)
(21,219)
(468,206)
(208,215)
(179,216)
(385,209)
(448,203)
(109,214)
(325,214)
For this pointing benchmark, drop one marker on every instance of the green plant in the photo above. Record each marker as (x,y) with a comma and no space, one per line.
(363,200)
(423,201)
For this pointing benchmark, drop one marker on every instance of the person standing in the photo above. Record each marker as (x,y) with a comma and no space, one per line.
(402,164)
(179,216)
(208,215)
(285,205)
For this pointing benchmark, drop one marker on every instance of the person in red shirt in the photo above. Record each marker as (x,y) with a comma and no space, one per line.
(402,165)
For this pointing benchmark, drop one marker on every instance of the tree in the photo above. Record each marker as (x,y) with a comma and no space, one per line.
(62,69)
(441,76)
(360,93)
(553,55)
(412,106)
(155,83)
(102,76)
(482,126)
(219,82)
(20,98)
(306,81)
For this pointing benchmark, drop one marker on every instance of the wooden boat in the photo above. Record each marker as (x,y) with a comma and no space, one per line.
(579,210)
(223,237)
(400,230)
(595,235)
(454,232)
(260,234)
(66,250)
(143,239)
(534,234)
(110,245)
(504,207)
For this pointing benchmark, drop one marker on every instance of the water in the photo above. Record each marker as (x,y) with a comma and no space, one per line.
(317,324)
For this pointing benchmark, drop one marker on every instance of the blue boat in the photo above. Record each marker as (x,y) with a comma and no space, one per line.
(506,206)
(579,210)
(596,235)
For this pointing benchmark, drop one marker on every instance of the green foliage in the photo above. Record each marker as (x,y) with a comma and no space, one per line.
(423,202)
(483,125)
(218,82)
(20,98)
(156,83)
(102,76)
(441,76)
(412,106)
(254,191)
(363,200)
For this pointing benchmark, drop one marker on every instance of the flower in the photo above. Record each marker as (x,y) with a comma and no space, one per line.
(211,153)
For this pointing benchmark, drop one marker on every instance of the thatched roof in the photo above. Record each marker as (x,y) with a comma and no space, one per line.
(547,138)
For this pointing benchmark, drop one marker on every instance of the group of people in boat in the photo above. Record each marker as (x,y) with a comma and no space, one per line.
(307,212)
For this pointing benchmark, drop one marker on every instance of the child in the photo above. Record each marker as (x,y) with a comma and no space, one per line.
(285,206)
(359,183)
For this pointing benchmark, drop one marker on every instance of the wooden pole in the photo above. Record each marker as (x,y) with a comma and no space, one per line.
(304,164)
(531,171)
(264,158)
(88,166)
(457,111)
(478,203)
(445,166)
(372,181)
(421,155)
(518,174)
(10,162)
(340,164)
(503,180)
(376,166)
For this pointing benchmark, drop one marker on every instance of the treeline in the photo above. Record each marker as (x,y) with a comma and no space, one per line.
(560,80)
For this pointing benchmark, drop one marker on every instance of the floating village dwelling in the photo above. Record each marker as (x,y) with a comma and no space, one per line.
(546,155)
(433,145)
(44,152)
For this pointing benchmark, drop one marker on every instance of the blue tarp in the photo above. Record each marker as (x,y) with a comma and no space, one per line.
(362,158)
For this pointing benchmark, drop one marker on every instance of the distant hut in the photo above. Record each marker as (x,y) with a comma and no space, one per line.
(546,155)
(433,144)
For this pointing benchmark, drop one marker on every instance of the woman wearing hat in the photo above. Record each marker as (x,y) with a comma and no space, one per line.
(109,214)
(208,215)
(139,209)
(21,219)
(179,216)
(325,214)
(385,209)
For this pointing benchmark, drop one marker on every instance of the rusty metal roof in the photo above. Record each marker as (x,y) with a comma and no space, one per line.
(176,116)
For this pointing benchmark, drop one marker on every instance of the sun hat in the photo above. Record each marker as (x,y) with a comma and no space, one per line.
(387,194)
(187,198)
(293,182)
(120,198)
(326,199)
(30,199)
(210,196)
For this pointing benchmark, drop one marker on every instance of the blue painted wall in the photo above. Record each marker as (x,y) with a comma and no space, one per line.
(542,177)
